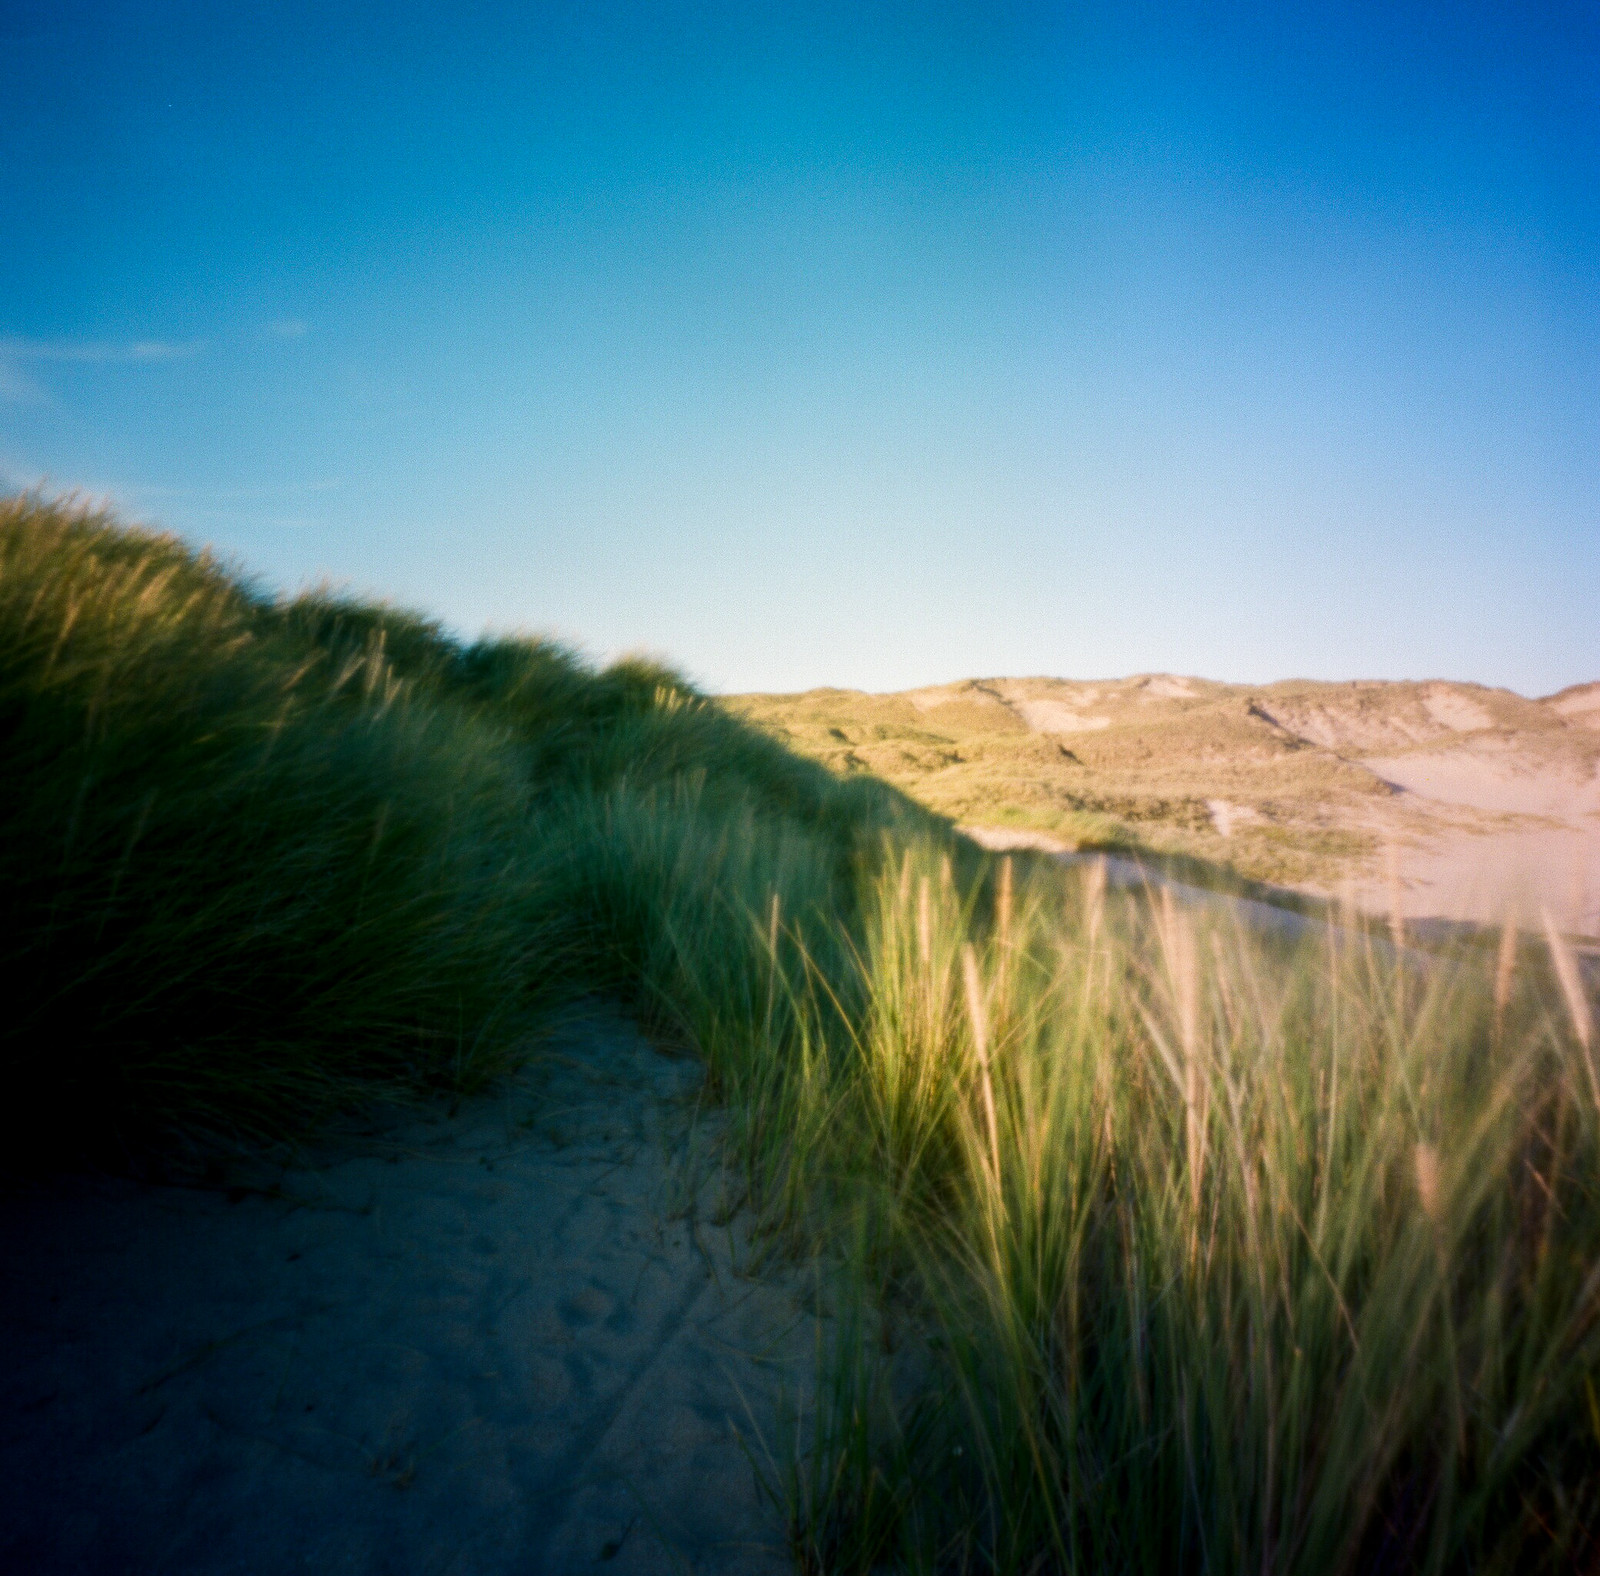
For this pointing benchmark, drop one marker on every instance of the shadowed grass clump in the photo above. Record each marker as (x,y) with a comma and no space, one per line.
(242,871)
(1153,1244)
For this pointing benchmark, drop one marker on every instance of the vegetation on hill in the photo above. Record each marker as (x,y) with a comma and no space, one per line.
(1269,782)
(1152,1244)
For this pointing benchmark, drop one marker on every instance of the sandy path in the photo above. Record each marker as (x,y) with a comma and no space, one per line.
(511,1340)
(1129,873)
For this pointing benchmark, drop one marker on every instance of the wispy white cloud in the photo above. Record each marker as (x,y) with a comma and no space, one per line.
(20,387)
(96,350)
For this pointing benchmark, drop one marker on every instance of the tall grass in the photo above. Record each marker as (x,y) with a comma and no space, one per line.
(240,871)
(1205,1253)
(1154,1244)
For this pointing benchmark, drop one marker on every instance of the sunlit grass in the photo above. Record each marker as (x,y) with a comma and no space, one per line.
(1210,1254)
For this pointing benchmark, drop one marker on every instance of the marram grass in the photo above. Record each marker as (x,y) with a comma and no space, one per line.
(241,871)
(1153,1245)
(1200,1253)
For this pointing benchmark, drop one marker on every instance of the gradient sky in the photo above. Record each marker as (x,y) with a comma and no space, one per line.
(859,345)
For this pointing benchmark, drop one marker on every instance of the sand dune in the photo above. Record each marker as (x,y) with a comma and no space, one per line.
(1580,704)
(1459,801)
(1054,716)
(1499,778)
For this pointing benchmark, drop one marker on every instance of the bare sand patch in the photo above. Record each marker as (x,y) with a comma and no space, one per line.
(1503,782)
(1453,710)
(1580,704)
(1227,817)
(1346,730)
(525,1338)
(1492,832)
(965,694)
(1493,877)
(1055,716)
(1163,686)
(1003,839)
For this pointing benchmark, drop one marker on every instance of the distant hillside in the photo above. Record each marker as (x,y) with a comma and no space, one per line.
(1477,798)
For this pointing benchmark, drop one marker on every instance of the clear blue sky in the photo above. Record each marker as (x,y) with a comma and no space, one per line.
(869,345)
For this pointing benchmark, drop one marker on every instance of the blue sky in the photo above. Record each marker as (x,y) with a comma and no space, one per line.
(859,345)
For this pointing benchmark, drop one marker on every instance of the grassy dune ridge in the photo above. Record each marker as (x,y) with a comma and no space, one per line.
(259,854)
(1153,1244)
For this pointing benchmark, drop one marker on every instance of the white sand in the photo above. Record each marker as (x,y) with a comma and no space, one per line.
(965,694)
(1501,781)
(1460,713)
(1500,876)
(511,1341)
(1227,816)
(1164,686)
(1054,716)
(1344,731)
(1580,704)
(1004,839)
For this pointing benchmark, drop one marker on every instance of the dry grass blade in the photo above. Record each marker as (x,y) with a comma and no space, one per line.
(1571,980)
(978,1016)
(1504,970)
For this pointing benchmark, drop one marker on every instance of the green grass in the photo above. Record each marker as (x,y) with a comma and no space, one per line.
(1153,1244)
